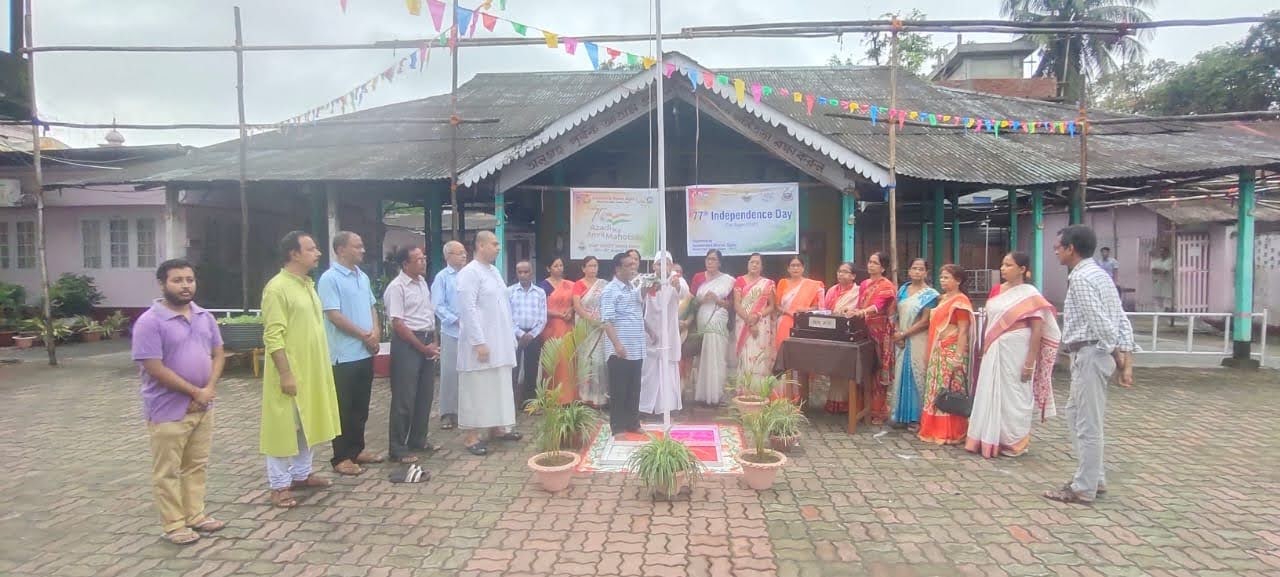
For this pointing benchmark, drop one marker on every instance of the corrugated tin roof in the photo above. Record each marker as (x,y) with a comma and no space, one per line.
(1199,211)
(532,108)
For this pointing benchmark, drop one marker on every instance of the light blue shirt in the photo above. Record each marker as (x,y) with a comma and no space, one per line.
(528,309)
(444,295)
(620,306)
(348,292)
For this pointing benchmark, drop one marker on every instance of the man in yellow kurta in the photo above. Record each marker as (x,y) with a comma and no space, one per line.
(299,402)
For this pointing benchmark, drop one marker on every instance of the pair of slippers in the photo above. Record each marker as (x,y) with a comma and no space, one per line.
(414,473)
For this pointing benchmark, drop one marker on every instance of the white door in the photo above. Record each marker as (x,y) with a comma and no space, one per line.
(1192,286)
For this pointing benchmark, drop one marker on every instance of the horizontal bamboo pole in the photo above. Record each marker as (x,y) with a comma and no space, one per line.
(216,126)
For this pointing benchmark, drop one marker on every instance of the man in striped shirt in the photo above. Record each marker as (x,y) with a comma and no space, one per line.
(622,313)
(529,315)
(1100,339)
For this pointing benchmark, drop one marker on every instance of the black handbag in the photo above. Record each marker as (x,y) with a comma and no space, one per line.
(957,403)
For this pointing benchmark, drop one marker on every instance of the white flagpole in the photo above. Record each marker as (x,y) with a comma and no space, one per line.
(663,268)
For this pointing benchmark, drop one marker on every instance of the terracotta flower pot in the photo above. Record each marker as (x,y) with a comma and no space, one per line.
(25,342)
(91,336)
(554,477)
(682,483)
(784,444)
(748,406)
(760,476)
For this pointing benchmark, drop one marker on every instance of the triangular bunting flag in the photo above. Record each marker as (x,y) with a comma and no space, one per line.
(808,104)
(553,41)
(502,4)
(570,45)
(343,4)
(614,54)
(708,79)
(593,54)
(633,60)
(413,60)
(740,91)
(668,69)
(519,28)
(489,20)
(414,6)
(647,62)
(464,17)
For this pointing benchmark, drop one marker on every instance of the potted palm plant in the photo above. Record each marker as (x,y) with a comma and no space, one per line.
(578,422)
(90,330)
(552,467)
(113,324)
(751,392)
(785,432)
(665,466)
(760,465)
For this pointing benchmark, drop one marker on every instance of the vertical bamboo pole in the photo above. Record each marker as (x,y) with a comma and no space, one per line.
(49,345)
(893,152)
(454,120)
(244,169)
(1080,199)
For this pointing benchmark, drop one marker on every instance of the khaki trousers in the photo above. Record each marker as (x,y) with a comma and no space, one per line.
(179,457)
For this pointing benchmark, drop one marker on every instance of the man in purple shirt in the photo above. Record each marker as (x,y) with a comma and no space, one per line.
(179,353)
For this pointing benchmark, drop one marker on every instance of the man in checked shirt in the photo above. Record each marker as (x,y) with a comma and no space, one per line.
(1100,339)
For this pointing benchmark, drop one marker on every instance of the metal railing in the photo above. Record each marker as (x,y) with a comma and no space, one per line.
(228,313)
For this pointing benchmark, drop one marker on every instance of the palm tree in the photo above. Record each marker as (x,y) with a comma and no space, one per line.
(1073,57)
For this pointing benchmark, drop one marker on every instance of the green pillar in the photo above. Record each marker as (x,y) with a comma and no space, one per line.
(1013,220)
(433,205)
(1242,324)
(955,228)
(939,218)
(500,230)
(924,238)
(1037,238)
(1077,206)
(849,208)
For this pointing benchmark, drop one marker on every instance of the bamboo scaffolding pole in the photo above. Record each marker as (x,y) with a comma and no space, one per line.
(455,213)
(46,311)
(244,169)
(784,29)
(893,158)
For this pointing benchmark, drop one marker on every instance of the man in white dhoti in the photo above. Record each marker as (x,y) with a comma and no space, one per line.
(486,349)
(660,373)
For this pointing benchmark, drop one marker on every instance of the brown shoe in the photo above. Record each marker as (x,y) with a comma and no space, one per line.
(348,468)
(312,482)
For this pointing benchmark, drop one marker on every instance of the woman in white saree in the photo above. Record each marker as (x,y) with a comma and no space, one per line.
(1019,348)
(714,303)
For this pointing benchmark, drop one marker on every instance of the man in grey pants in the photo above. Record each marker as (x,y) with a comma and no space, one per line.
(413,356)
(444,295)
(1100,339)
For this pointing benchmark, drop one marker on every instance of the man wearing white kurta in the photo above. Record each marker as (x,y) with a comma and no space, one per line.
(486,349)
(660,373)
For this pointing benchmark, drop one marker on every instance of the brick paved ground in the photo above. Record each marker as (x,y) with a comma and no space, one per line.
(1194,459)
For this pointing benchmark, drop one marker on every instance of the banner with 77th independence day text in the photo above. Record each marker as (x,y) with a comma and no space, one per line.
(740,219)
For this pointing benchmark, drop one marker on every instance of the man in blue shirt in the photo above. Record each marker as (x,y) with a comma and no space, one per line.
(622,313)
(444,295)
(351,326)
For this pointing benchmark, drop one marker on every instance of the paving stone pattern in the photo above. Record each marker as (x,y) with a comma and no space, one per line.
(1193,460)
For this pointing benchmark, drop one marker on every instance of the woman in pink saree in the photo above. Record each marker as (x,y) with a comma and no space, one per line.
(753,302)
(876,299)
(1018,353)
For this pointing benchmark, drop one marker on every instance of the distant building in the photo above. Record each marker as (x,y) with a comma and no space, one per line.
(994,68)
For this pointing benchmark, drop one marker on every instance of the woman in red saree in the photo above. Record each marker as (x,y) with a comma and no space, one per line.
(559,323)
(753,302)
(947,360)
(876,299)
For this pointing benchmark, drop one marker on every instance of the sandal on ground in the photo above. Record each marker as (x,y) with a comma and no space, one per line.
(404,460)
(283,498)
(1102,489)
(367,458)
(209,525)
(183,536)
(312,482)
(448,422)
(427,448)
(1066,495)
(348,468)
(478,449)
(509,436)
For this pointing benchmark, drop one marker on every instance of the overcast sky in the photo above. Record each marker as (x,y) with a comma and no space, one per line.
(160,88)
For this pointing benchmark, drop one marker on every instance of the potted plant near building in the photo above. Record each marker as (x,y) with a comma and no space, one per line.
(665,466)
(552,467)
(578,422)
(241,332)
(90,330)
(35,329)
(760,465)
(751,392)
(112,325)
(784,435)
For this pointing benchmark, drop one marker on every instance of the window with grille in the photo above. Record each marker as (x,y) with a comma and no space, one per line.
(26,233)
(146,242)
(118,230)
(91,243)
(4,245)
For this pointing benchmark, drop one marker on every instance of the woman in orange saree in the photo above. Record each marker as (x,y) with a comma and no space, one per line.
(753,301)
(947,360)
(559,323)
(796,294)
(840,299)
(877,297)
